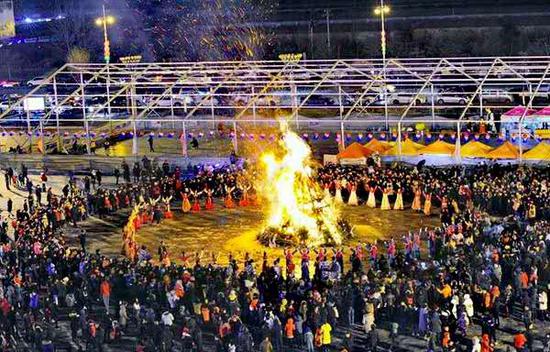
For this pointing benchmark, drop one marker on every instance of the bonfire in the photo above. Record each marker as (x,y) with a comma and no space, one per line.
(297,212)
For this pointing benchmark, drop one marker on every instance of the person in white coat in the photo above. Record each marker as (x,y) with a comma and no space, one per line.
(469,305)
(476,346)
(543,305)
(123,315)
(167,318)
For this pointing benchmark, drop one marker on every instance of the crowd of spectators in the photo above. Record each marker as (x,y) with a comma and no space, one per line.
(486,264)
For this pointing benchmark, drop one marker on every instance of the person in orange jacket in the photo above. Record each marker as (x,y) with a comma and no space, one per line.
(290,328)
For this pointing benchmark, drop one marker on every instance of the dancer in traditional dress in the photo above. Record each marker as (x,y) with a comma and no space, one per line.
(168,213)
(228,201)
(428,204)
(196,205)
(289,258)
(385,199)
(398,205)
(371,200)
(338,196)
(209,203)
(185,204)
(417,201)
(352,200)
(243,202)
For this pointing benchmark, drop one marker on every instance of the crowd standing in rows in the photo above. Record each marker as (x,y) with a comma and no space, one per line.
(486,264)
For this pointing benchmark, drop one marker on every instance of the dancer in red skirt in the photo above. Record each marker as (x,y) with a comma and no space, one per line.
(228,201)
(209,204)
(243,202)
(168,213)
(196,205)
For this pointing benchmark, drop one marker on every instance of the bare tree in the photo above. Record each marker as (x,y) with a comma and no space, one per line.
(76,29)
(78,56)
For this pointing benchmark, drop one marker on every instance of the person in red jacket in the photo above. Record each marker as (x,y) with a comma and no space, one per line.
(519,341)
(105,290)
(486,344)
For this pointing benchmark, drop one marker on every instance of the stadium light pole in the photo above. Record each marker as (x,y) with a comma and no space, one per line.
(104,21)
(382,10)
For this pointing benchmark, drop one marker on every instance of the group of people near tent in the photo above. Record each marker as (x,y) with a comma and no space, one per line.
(397,187)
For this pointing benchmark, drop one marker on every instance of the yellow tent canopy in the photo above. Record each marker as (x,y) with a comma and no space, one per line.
(439,147)
(377,146)
(506,151)
(540,151)
(408,147)
(475,149)
(354,151)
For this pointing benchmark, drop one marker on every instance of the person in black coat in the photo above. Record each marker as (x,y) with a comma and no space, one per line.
(117,176)
(373,337)
(38,194)
(7,180)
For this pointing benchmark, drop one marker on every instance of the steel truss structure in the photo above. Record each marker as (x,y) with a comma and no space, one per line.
(345,94)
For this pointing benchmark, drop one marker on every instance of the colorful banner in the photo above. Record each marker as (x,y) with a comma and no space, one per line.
(7,20)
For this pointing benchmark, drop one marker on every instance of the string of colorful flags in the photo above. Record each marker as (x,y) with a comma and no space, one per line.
(325,136)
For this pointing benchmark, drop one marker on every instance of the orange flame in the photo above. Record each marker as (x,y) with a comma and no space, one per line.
(295,200)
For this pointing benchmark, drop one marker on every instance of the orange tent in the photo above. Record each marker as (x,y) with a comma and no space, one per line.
(439,147)
(376,146)
(541,152)
(408,147)
(506,151)
(475,149)
(354,154)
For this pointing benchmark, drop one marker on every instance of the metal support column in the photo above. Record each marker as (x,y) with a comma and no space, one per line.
(56,112)
(458,148)
(29,130)
(108,86)
(172,108)
(184,140)
(386,97)
(521,141)
(212,112)
(340,103)
(399,139)
(294,96)
(481,100)
(253,106)
(135,145)
(235,142)
(342,135)
(85,116)
(42,137)
(432,94)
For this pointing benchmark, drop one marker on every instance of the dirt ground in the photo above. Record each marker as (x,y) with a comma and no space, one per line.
(223,231)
